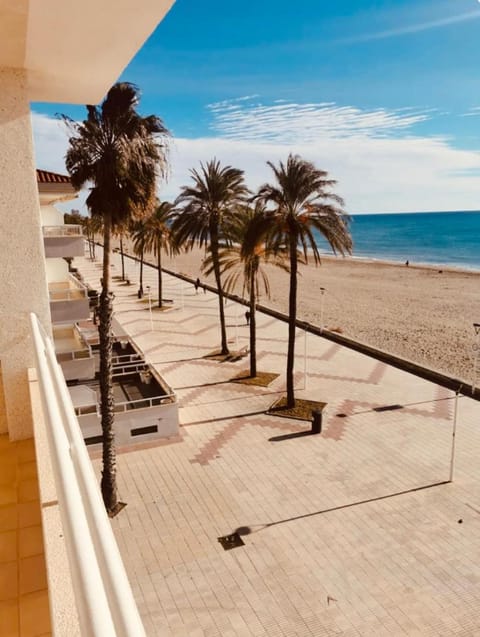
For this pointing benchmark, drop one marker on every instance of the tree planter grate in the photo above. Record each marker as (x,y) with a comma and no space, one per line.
(231,541)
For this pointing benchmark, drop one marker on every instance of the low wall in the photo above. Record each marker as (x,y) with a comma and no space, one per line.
(133,426)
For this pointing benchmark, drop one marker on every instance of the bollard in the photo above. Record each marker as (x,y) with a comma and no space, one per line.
(316,421)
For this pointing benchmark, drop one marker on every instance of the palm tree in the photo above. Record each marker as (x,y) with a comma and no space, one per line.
(299,203)
(236,261)
(120,233)
(139,233)
(119,154)
(203,212)
(159,238)
(91,226)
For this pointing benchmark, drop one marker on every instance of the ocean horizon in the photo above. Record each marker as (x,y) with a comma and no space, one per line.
(449,239)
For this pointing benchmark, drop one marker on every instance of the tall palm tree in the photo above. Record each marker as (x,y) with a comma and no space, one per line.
(120,233)
(139,233)
(91,226)
(299,203)
(119,154)
(203,212)
(236,261)
(159,238)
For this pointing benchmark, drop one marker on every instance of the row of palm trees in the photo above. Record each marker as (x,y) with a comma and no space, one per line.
(121,155)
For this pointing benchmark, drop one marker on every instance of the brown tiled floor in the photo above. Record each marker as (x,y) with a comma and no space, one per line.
(24,610)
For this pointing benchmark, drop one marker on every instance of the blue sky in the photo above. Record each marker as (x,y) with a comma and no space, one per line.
(383,94)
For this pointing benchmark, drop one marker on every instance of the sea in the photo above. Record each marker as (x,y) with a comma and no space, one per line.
(449,239)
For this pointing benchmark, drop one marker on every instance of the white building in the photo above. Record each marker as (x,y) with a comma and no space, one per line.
(70,52)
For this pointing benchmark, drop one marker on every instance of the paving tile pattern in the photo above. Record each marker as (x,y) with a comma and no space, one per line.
(330,549)
(24,609)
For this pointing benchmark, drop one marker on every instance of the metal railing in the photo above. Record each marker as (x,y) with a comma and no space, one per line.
(103,595)
(79,354)
(145,403)
(71,289)
(66,230)
(132,367)
(121,359)
(83,351)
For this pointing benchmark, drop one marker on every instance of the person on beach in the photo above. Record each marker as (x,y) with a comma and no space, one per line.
(407,263)
(247,317)
(197,285)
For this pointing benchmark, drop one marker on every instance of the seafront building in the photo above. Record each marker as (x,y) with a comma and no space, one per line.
(66,52)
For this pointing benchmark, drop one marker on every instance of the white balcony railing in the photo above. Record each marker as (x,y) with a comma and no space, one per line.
(104,599)
(66,230)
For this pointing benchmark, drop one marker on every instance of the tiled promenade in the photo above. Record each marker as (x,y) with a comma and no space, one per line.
(328,552)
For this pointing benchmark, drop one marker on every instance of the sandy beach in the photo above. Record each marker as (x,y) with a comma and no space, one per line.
(421,313)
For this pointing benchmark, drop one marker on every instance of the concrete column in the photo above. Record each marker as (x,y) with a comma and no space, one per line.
(23,285)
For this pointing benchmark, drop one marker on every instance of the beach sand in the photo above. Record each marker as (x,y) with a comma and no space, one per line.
(417,312)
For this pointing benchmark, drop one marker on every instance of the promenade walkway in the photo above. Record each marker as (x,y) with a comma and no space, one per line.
(329,549)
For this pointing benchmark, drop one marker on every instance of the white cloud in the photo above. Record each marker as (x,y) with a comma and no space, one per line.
(51,142)
(474,111)
(305,123)
(374,173)
(413,28)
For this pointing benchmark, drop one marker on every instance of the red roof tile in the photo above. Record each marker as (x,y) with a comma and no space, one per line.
(47,177)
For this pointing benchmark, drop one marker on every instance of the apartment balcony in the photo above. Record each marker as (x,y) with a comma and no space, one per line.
(146,407)
(73,353)
(63,241)
(68,301)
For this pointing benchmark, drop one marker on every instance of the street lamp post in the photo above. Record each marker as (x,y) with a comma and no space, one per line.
(454,434)
(476,354)
(237,307)
(322,293)
(150,306)
(305,358)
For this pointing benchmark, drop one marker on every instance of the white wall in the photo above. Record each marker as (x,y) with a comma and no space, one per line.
(51,216)
(56,270)
(164,416)
(23,283)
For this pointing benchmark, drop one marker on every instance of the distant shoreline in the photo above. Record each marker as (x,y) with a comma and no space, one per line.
(400,264)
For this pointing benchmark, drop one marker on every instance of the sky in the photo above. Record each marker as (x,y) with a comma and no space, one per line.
(382,94)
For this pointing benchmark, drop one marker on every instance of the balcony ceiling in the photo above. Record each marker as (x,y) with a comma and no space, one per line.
(74,51)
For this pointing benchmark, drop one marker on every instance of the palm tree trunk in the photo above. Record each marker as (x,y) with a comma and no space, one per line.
(122,258)
(140,291)
(253,339)
(89,246)
(108,482)
(292,315)
(218,281)
(159,265)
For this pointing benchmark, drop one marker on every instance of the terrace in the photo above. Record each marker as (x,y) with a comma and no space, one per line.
(137,388)
(63,241)
(68,300)
(73,352)
(370,528)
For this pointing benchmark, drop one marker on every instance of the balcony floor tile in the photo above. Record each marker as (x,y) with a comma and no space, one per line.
(24,609)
